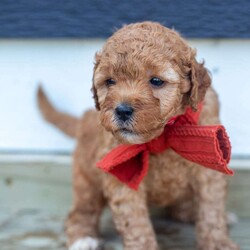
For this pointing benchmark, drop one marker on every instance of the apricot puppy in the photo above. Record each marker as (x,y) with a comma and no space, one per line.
(144,75)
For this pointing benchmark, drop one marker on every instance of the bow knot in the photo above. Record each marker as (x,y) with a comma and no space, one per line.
(157,145)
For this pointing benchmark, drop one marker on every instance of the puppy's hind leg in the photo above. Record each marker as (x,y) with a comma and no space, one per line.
(211,223)
(82,223)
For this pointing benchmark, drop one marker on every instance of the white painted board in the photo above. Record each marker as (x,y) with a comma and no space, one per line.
(65,69)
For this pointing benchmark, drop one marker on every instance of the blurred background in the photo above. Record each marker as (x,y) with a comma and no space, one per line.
(53,43)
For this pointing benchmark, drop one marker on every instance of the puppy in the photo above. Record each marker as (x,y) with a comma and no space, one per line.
(144,75)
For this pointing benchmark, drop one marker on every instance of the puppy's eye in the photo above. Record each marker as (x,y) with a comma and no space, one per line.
(157,82)
(110,82)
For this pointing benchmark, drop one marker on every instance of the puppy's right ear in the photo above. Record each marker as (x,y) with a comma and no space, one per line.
(93,89)
(200,81)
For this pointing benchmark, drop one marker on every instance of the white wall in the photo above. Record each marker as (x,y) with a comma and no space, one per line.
(65,69)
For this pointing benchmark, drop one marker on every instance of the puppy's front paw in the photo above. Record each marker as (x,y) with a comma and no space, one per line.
(86,243)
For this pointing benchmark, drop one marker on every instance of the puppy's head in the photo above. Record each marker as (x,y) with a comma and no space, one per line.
(145,75)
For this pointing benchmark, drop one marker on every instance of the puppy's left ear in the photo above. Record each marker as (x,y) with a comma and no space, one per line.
(200,81)
(93,89)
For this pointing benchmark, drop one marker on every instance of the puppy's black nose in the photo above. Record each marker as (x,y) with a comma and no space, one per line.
(124,112)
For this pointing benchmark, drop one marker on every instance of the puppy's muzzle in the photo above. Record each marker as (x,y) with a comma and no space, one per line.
(124,112)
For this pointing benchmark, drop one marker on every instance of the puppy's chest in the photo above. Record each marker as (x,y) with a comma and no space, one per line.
(168,178)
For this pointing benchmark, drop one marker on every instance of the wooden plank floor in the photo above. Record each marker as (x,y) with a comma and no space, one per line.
(36,195)
(46,184)
(39,230)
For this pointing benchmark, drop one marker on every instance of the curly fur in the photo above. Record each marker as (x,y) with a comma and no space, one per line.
(131,57)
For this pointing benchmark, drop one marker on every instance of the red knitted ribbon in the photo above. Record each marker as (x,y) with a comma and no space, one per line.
(208,146)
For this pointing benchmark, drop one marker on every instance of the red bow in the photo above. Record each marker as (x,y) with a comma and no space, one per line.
(206,145)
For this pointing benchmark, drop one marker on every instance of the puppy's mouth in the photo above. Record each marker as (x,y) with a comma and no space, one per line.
(124,128)
(131,136)
(126,131)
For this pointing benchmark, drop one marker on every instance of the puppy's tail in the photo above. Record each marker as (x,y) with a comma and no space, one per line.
(65,122)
